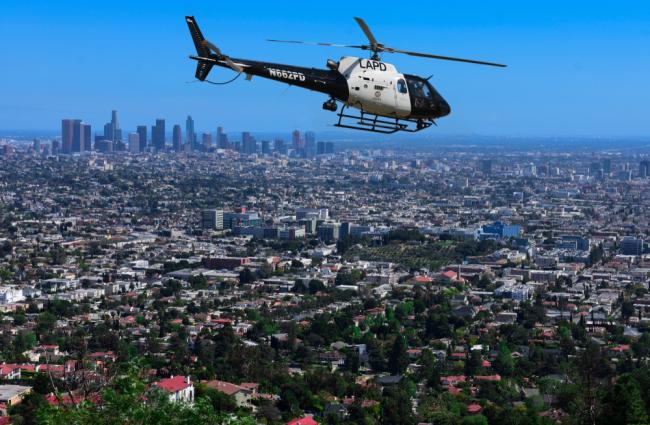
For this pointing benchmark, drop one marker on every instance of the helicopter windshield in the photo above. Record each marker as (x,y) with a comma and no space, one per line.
(419,88)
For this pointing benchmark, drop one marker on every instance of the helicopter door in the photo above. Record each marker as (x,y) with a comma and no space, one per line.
(402,99)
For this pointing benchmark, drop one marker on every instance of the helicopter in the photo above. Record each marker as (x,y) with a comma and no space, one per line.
(387,100)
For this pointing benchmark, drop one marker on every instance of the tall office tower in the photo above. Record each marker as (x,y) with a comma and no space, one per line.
(296,139)
(279,146)
(142,134)
(206,141)
(36,145)
(485,166)
(644,168)
(112,129)
(177,138)
(222,139)
(117,132)
(320,148)
(248,143)
(329,147)
(67,129)
(190,136)
(310,144)
(158,135)
(607,166)
(134,142)
(77,136)
(108,131)
(266,147)
(86,141)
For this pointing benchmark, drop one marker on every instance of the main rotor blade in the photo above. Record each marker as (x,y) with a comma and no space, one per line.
(315,43)
(447,58)
(366,30)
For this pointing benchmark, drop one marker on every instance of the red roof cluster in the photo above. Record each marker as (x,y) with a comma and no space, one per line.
(305,420)
(174,384)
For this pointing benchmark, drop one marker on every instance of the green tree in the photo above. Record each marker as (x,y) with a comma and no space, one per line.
(128,402)
(398,359)
(504,363)
(624,404)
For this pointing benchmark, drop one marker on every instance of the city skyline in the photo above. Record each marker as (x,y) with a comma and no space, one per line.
(567,77)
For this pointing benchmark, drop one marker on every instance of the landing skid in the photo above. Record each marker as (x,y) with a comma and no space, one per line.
(379,124)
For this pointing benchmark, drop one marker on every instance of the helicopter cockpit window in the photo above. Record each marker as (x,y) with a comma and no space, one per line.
(419,88)
(401,86)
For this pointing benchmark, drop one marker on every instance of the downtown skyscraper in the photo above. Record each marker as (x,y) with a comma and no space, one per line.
(158,135)
(190,135)
(112,129)
(177,138)
(75,136)
(142,135)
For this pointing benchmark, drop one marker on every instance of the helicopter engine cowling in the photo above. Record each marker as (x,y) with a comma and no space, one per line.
(333,65)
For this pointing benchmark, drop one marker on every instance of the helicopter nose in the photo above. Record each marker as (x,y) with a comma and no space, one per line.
(443,108)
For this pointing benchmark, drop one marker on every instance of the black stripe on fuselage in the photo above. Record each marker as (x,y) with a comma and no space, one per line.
(325,81)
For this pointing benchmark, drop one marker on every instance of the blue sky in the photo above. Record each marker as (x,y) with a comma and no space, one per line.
(575,67)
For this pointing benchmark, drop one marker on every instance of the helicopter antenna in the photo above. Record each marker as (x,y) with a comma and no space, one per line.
(376,48)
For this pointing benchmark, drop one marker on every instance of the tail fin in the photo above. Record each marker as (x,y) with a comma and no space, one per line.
(202,68)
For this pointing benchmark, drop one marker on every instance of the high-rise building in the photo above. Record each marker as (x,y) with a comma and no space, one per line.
(279,146)
(310,144)
(485,166)
(324,148)
(158,135)
(644,168)
(631,246)
(607,166)
(266,147)
(249,144)
(206,141)
(212,219)
(117,132)
(87,141)
(328,232)
(36,145)
(78,136)
(222,139)
(112,129)
(177,138)
(297,141)
(142,135)
(67,130)
(134,143)
(190,135)
(595,169)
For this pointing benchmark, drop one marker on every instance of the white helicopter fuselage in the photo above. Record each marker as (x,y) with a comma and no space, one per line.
(375,87)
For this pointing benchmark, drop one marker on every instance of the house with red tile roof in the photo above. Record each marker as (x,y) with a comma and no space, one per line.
(474,409)
(180,388)
(243,393)
(9,371)
(305,420)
